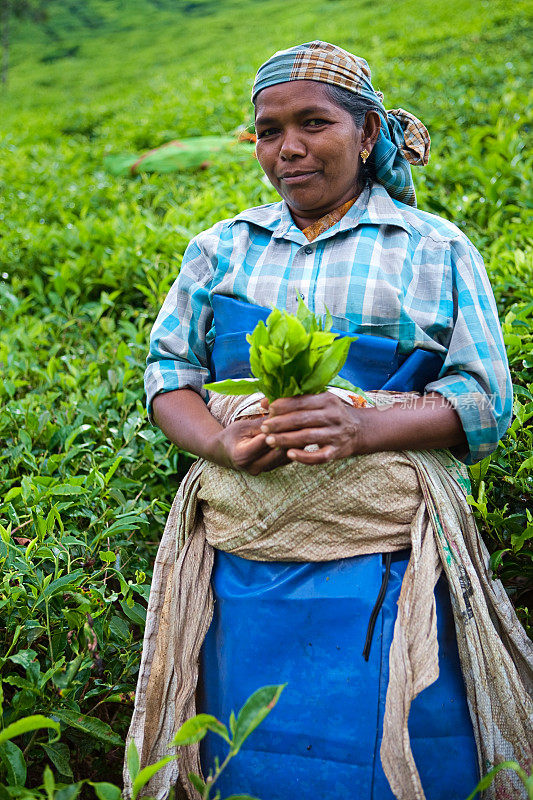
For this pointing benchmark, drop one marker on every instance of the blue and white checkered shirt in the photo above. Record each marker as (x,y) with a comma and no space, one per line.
(385,269)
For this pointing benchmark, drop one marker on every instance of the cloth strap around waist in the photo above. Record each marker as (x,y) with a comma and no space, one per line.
(373,362)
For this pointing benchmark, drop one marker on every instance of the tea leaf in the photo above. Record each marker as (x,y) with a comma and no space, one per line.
(145,774)
(92,726)
(107,791)
(196,728)
(14,762)
(59,755)
(197,782)
(33,723)
(133,760)
(234,387)
(254,711)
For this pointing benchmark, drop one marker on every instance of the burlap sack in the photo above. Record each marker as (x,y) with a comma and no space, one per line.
(388,501)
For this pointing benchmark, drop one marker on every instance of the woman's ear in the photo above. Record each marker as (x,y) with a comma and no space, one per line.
(371,130)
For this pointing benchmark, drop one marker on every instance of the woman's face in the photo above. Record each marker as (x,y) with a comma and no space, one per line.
(308,147)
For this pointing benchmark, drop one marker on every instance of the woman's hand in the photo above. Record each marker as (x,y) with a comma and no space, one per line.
(321,419)
(260,444)
(421,423)
(242,446)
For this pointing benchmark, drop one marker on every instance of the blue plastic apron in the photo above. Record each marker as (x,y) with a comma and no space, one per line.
(305,625)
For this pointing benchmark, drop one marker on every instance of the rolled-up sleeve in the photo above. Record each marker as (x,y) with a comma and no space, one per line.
(178,355)
(475,375)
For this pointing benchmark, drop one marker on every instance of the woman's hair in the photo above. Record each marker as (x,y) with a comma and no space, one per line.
(357,107)
(354,104)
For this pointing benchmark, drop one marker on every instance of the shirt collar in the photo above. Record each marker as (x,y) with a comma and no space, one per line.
(374,206)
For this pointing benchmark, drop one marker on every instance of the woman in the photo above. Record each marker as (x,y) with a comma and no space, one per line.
(346,236)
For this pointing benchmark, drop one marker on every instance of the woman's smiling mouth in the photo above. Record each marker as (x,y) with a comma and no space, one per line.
(297,177)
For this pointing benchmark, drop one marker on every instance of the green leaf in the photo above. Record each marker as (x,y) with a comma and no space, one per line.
(232,387)
(297,337)
(327,366)
(518,540)
(14,762)
(107,791)
(49,782)
(340,383)
(69,792)
(479,470)
(527,464)
(112,469)
(71,580)
(92,726)
(196,728)
(27,724)
(15,491)
(302,312)
(24,658)
(59,755)
(259,335)
(497,558)
(145,774)
(241,797)
(136,612)
(133,761)
(67,489)
(254,711)
(487,779)
(270,359)
(197,782)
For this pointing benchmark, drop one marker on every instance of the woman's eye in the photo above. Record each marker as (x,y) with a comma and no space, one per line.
(267,132)
(315,123)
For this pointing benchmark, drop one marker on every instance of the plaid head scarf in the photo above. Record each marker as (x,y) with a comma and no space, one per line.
(403,139)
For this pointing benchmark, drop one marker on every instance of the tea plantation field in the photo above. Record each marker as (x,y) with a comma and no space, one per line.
(87,258)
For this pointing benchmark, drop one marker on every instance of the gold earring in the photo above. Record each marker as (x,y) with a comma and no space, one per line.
(364,155)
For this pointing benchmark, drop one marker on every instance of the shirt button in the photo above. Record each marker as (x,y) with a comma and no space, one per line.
(308,250)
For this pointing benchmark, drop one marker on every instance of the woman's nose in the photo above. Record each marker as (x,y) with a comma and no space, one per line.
(292,145)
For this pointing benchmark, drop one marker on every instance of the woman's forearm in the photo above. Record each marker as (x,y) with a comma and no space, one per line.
(185,419)
(420,423)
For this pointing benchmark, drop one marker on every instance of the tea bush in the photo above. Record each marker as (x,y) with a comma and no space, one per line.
(87,258)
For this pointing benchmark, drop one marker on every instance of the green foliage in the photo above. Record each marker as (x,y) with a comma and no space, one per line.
(290,355)
(487,779)
(86,259)
(253,712)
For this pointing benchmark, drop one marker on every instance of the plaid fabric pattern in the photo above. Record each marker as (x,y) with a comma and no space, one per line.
(384,269)
(416,141)
(330,64)
(402,140)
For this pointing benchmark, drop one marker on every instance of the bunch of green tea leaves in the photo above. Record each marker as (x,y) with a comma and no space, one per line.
(290,355)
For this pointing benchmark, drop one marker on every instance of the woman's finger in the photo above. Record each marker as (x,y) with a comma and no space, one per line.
(310,418)
(268,462)
(286,405)
(320,456)
(247,450)
(300,438)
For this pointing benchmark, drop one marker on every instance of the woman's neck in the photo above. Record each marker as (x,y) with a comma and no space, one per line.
(307,218)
